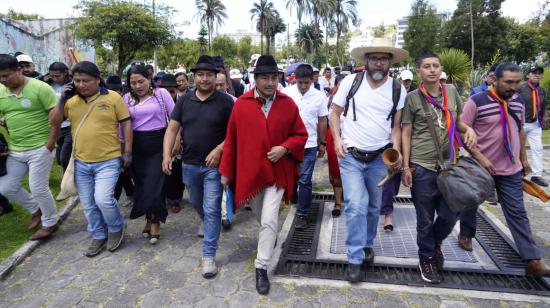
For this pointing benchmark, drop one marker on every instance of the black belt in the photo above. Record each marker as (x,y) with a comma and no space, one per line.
(367,156)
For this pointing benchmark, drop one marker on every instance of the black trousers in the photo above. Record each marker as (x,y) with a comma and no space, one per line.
(64,147)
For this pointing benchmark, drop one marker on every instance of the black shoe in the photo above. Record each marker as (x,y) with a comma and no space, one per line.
(226,224)
(301,222)
(95,248)
(354,272)
(262,282)
(439,257)
(369,256)
(114,240)
(388,228)
(428,270)
(539,181)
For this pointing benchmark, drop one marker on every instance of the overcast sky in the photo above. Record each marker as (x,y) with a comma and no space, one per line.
(371,12)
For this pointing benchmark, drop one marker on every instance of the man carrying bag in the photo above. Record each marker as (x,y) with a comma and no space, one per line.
(497,115)
(421,155)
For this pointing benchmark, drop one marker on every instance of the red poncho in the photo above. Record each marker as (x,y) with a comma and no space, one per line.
(250,136)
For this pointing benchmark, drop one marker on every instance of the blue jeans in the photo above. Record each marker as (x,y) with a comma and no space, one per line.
(205,193)
(362,200)
(305,186)
(428,201)
(95,184)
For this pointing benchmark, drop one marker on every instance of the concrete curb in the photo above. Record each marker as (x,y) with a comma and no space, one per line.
(18,256)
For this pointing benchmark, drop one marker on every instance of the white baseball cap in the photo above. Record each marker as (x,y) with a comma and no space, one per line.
(443,76)
(406,75)
(24,58)
(235,74)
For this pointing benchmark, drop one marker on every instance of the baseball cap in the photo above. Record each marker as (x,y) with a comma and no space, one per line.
(235,74)
(443,76)
(536,68)
(406,75)
(24,58)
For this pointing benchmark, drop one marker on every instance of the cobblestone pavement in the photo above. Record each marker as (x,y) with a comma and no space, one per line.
(168,274)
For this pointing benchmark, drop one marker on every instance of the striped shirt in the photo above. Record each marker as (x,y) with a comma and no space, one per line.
(482,113)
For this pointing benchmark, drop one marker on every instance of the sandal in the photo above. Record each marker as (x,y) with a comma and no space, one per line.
(388,227)
(337,210)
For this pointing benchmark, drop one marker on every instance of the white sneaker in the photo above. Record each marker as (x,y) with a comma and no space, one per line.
(209,268)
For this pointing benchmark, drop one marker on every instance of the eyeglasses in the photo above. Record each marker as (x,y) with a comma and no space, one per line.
(381,60)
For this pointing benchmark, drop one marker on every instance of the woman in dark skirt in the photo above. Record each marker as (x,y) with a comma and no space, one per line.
(150,110)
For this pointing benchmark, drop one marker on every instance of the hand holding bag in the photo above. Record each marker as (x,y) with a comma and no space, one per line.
(68,187)
(465,185)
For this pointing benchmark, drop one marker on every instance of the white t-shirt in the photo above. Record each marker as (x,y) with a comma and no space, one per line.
(312,106)
(371,131)
(324,83)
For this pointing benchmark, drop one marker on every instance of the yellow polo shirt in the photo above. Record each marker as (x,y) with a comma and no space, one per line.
(97,140)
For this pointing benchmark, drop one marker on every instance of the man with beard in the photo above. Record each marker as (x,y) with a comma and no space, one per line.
(202,116)
(497,115)
(370,106)
(27,66)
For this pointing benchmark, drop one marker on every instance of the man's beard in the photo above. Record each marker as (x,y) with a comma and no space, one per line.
(377,75)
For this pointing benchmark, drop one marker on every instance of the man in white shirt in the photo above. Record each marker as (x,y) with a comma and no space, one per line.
(312,104)
(366,133)
(327,81)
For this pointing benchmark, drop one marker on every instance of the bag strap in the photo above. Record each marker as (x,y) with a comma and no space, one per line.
(396,96)
(91,106)
(435,138)
(354,88)
(162,106)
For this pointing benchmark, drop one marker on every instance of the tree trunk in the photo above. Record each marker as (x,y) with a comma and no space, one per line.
(338,48)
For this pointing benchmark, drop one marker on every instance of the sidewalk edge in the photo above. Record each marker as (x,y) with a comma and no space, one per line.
(8,265)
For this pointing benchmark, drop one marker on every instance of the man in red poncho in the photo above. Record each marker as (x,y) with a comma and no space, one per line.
(263,148)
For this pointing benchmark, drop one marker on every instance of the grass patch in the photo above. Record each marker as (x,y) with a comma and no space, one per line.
(13,226)
(250,262)
(546,136)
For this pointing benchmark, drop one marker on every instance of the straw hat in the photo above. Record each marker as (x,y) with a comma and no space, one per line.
(380,45)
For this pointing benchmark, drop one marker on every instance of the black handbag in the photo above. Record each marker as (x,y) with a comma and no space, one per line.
(464,186)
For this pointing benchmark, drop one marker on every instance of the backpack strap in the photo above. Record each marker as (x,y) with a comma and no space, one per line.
(354,87)
(396,96)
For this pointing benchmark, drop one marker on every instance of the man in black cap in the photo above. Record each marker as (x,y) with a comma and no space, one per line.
(202,116)
(534,98)
(261,164)
(114,83)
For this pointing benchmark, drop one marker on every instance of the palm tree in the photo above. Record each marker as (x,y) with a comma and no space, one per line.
(302,7)
(275,25)
(344,12)
(325,8)
(262,12)
(210,12)
(307,39)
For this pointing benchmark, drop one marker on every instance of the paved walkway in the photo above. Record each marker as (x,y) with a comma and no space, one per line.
(168,274)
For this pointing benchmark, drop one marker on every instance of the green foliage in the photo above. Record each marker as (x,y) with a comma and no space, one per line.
(212,13)
(229,49)
(308,40)
(263,12)
(245,51)
(379,31)
(12,14)
(180,52)
(423,33)
(140,29)
(344,12)
(457,65)
(521,42)
(545,82)
(203,42)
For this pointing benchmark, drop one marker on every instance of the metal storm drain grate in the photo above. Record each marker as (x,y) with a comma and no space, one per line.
(299,256)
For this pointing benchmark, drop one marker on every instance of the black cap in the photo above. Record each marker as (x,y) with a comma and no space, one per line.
(168,80)
(536,68)
(266,64)
(114,83)
(205,63)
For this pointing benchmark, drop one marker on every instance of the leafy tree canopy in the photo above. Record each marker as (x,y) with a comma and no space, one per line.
(423,33)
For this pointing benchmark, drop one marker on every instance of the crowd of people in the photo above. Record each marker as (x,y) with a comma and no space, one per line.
(238,142)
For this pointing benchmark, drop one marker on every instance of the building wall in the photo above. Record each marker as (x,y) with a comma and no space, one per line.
(46,41)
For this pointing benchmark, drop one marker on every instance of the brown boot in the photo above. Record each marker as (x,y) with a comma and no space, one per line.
(43,232)
(535,268)
(465,242)
(35,219)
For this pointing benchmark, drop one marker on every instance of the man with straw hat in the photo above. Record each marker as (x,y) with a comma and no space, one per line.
(371,102)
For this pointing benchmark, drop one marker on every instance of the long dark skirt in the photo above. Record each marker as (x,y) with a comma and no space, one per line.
(148,176)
